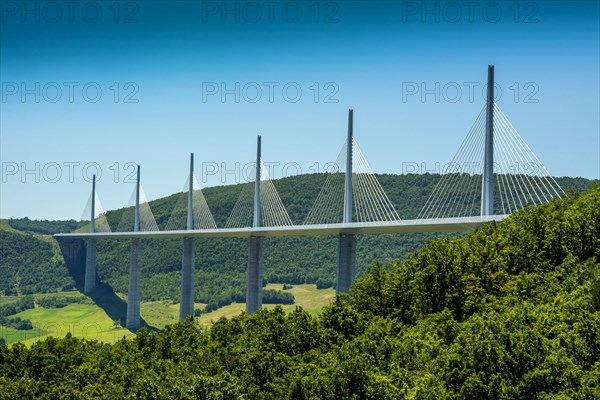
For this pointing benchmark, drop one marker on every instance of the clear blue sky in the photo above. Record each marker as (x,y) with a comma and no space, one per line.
(161,68)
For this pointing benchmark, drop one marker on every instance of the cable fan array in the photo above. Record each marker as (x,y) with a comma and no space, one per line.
(273,212)
(519,177)
(201,216)
(100,221)
(527,180)
(147,220)
(370,203)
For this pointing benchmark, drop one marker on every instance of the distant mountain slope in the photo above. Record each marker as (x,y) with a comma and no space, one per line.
(29,264)
(44,227)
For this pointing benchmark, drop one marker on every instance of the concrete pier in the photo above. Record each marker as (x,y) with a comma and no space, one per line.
(134,291)
(255,247)
(346,267)
(186,306)
(487,186)
(347,243)
(255,269)
(90,266)
(89,284)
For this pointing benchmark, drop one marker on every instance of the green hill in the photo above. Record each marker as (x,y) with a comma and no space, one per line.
(220,263)
(30,264)
(511,311)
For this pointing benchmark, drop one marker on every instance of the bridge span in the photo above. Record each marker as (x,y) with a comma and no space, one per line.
(461,224)
(505,182)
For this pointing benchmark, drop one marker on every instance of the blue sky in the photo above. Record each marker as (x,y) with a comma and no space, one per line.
(103,85)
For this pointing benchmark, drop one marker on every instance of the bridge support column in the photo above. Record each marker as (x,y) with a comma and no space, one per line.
(346,266)
(487,186)
(133,294)
(89,284)
(347,243)
(255,270)
(186,306)
(89,280)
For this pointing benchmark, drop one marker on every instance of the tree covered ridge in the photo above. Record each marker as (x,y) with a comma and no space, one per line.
(509,312)
(220,276)
(221,263)
(30,265)
(45,227)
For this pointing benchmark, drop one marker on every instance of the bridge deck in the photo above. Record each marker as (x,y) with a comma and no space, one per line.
(406,226)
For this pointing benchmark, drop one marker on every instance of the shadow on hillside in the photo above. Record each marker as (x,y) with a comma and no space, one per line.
(115,307)
(74,252)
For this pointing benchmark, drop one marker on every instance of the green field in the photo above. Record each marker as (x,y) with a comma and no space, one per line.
(306,296)
(8,299)
(93,322)
(159,314)
(81,320)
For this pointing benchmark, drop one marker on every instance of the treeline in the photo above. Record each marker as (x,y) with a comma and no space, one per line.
(509,312)
(6,310)
(58,301)
(270,296)
(21,304)
(16,323)
(45,227)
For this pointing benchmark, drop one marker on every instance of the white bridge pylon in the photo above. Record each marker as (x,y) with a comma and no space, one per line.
(147,222)
(201,216)
(494,172)
(369,201)
(272,211)
(94,210)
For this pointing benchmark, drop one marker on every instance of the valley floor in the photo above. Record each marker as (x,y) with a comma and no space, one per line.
(92,322)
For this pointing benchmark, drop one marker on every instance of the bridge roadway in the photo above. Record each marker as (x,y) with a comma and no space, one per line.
(461,224)
(71,242)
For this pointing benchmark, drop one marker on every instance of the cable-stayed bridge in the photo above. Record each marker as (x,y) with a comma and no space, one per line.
(493,174)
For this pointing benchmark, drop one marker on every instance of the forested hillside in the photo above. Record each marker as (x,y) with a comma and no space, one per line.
(220,263)
(509,312)
(45,227)
(31,265)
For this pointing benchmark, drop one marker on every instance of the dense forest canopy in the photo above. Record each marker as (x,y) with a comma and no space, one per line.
(511,311)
